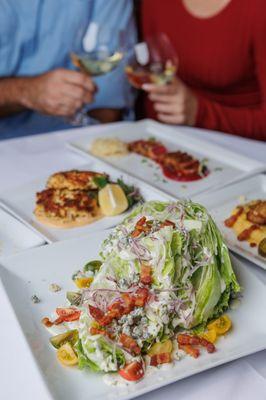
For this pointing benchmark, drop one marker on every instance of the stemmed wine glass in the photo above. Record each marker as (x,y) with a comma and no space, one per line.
(153,61)
(96,52)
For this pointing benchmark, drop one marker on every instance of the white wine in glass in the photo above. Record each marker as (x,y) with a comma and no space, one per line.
(153,61)
(101,55)
(96,63)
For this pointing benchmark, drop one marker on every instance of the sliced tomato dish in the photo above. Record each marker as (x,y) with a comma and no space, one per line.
(181,166)
(148,148)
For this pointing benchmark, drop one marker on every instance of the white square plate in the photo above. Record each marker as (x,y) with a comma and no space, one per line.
(15,236)
(220,204)
(21,202)
(225,166)
(32,272)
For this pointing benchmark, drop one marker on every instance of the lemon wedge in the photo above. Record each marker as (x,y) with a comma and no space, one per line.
(112,200)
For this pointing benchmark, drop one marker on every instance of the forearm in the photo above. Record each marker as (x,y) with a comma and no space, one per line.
(246,122)
(12,95)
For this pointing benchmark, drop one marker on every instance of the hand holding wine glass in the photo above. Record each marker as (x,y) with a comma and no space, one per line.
(153,61)
(97,56)
(152,67)
(174,103)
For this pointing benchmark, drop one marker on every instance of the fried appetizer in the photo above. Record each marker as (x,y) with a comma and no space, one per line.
(63,208)
(249,224)
(74,180)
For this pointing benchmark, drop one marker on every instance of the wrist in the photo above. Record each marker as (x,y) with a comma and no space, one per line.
(24,87)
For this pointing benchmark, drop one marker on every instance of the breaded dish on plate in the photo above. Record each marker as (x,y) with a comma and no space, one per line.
(64,208)
(74,180)
(249,224)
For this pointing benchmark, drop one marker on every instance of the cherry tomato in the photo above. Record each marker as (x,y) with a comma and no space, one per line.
(133,371)
(159,348)
(210,335)
(66,355)
(84,282)
(220,325)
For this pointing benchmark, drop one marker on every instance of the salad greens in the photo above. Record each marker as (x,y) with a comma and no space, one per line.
(163,270)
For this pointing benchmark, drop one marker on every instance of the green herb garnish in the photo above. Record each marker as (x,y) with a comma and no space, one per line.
(132,193)
(100,181)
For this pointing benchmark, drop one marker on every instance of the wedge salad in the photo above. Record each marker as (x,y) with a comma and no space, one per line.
(159,289)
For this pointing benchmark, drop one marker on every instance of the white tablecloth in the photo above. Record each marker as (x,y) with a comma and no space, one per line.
(23,160)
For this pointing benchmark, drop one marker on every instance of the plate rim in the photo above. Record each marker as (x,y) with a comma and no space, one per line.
(256,166)
(245,352)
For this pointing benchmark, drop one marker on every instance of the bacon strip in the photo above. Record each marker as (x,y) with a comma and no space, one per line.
(97,331)
(46,322)
(141,297)
(184,339)
(208,345)
(192,351)
(145,274)
(167,223)
(130,344)
(96,313)
(141,222)
(120,307)
(162,358)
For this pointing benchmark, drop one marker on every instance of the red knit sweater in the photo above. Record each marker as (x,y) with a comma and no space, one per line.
(222,58)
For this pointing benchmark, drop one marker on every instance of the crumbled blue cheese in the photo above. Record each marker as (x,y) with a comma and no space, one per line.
(53,287)
(35,299)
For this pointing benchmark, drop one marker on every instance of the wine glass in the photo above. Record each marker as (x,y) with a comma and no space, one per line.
(153,61)
(96,52)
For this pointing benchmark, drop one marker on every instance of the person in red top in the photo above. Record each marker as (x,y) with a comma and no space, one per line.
(221,78)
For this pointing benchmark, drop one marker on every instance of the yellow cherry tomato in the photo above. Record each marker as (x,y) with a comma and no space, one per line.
(66,355)
(159,348)
(210,335)
(83,283)
(220,325)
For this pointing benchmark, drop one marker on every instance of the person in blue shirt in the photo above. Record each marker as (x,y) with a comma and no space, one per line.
(39,88)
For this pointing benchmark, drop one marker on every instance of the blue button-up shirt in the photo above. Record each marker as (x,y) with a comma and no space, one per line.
(37,36)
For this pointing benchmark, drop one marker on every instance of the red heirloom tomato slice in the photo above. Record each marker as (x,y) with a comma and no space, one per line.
(133,371)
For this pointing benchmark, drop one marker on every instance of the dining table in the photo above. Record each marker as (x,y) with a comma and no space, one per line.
(26,158)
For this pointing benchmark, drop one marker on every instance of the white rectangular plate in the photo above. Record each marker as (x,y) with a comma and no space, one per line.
(220,204)
(225,166)
(15,236)
(21,201)
(32,272)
